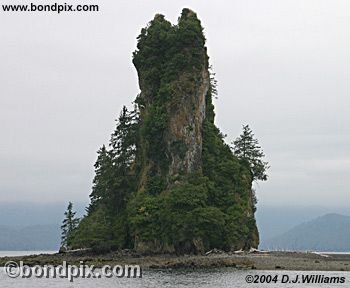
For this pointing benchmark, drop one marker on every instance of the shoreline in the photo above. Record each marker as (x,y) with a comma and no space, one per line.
(274,260)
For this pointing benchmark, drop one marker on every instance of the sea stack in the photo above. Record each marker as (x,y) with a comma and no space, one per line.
(169,183)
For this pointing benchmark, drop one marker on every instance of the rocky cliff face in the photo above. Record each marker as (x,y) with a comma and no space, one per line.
(177,97)
(185,126)
(176,116)
(169,182)
(182,137)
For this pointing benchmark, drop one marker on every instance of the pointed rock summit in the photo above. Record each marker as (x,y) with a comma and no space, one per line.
(169,183)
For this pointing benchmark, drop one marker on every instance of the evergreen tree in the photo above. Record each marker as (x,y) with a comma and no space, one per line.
(114,179)
(102,182)
(105,227)
(69,224)
(247,148)
(136,201)
(123,140)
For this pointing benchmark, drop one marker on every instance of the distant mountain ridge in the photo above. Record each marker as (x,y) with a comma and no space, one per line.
(26,226)
(21,214)
(38,237)
(330,232)
(18,216)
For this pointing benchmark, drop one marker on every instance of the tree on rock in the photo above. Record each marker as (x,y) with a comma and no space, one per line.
(246,147)
(69,224)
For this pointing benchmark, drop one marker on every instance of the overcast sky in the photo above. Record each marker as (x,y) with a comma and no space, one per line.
(282,67)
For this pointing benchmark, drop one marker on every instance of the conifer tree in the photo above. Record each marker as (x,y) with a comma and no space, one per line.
(123,140)
(137,200)
(102,183)
(246,147)
(113,177)
(69,224)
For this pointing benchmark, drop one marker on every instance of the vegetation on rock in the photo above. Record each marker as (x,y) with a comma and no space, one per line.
(168,183)
(247,148)
(69,226)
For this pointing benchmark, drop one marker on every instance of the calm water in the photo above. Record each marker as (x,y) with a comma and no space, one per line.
(222,278)
(24,253)
(215,278)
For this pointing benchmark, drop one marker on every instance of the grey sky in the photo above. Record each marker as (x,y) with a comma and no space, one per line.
(282,67)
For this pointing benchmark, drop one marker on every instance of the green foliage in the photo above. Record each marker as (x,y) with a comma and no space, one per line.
(209,224)
(145,217)
(123,140)
(153,132)
(222,168)
(69,226)
(134,199)
(179,215)
(179,206)
(247,148)
(231,180)
(114,179)
(164,52)
(105,226)
(189,195)
(155,185)
(102,231)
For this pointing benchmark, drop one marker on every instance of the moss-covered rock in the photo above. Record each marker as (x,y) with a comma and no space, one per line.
(183,189)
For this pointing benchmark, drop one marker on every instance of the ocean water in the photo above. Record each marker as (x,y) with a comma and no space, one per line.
(208,278)
(24,253)
(218,278)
